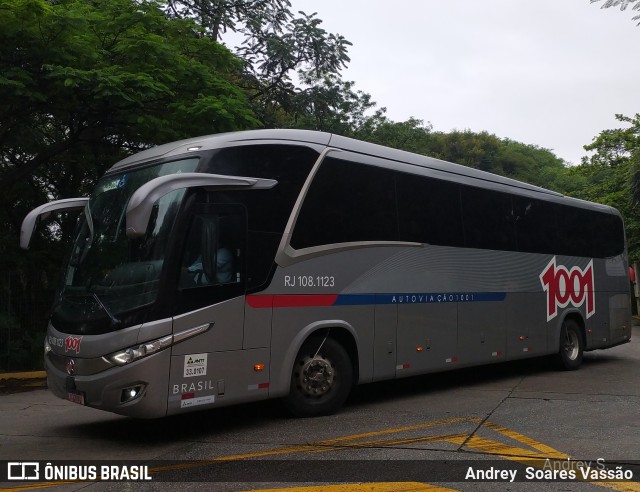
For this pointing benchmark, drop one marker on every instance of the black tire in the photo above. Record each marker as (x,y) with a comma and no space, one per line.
(320,384)
(571,348)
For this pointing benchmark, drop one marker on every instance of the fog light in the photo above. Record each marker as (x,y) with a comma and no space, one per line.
(131,393)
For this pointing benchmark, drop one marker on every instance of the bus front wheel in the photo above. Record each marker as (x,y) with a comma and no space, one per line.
(321,378)
(569,356)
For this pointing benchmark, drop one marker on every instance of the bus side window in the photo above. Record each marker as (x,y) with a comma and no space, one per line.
(347,202)
(213,251)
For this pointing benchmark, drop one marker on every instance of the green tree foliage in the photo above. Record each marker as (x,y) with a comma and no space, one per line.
(623,4)
(290,60)
(83,83)
(274,58)
(113,73)
(612,176)
(218,17)
(412,135)
(333,105)
(487,152)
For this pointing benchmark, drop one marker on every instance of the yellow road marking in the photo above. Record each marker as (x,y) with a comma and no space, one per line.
(534,456)
(505,451)
(397,430)
(34,486)
(516,436)
(366,487)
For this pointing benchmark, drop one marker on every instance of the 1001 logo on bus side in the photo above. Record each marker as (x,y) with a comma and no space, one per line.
(564,287)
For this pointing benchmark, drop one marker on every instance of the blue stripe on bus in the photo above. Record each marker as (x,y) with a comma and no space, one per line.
(326,300)
(418,298)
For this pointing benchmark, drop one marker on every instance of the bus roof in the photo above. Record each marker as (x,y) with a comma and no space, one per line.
(403,158)
(208,142)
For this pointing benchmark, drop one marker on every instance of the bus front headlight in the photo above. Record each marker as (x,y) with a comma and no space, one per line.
(143,350)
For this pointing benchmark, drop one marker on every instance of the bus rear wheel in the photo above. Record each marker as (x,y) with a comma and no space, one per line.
(569,356)
(321,378)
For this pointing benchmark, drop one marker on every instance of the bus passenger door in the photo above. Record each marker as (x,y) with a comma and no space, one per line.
(211,280)
(212,368)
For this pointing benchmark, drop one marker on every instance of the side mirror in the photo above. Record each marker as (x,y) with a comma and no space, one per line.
(30,221)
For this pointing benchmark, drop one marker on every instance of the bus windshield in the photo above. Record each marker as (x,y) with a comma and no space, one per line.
(109,274)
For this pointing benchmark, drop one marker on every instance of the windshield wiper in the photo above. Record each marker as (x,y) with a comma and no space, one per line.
(114,321)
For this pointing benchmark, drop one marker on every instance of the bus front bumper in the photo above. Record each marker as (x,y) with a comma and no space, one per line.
(138,389)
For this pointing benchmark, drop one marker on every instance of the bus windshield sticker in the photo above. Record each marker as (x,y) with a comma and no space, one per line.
(195,365)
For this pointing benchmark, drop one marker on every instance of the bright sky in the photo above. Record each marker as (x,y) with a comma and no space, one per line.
(547,72)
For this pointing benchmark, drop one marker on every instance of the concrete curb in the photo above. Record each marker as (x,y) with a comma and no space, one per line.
(23,375)
(18,382)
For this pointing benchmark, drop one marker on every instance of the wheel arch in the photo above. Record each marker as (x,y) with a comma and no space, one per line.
(339,330)
(571,343)
(579,319)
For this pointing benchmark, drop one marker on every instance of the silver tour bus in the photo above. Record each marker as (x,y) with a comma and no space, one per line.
(295,264)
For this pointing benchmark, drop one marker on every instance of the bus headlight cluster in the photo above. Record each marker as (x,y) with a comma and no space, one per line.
(134,353)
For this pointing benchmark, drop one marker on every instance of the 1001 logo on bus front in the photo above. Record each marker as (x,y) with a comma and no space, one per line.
(564,287)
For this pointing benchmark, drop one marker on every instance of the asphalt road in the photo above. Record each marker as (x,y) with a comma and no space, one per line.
(437,432)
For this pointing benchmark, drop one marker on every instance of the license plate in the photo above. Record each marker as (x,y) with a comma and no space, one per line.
(76,398)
